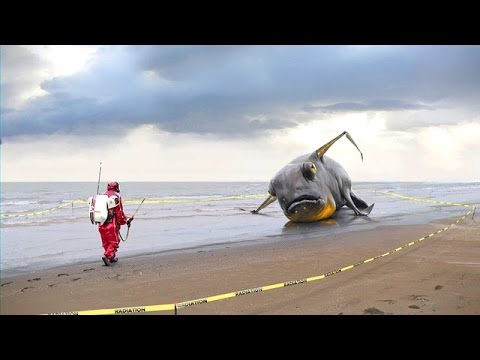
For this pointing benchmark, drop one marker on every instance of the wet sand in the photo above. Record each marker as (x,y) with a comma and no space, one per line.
(440,275)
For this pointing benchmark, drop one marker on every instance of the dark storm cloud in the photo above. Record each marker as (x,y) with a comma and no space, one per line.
(238,90)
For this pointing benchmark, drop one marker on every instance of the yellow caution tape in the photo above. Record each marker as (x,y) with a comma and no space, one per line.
(116,311)
(41,212)
(153,201)
(208,299)
(199,200)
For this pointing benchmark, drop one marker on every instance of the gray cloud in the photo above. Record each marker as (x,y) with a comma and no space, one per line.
(19,73)
(374,105)
(220,89)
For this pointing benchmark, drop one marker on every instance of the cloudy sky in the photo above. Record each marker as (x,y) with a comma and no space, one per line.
(238,113)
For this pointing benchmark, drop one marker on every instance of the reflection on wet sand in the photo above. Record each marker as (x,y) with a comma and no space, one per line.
(341,218)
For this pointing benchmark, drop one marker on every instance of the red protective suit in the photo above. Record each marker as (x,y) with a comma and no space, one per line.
(110,230)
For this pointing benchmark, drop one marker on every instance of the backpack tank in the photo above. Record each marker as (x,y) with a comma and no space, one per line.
(98,209)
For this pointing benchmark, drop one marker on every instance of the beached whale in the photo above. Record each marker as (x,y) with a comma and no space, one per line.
(313,186)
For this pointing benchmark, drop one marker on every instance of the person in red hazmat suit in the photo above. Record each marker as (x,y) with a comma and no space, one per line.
(110,230)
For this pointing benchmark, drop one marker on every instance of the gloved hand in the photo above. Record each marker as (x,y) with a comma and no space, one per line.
(129,220)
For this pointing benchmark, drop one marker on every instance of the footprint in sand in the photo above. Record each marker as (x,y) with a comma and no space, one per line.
(6,283)
(418,297)
(63,274)
(26,288)
(76,279)
(388,301)
(373,311)
(36,279)
(85,270)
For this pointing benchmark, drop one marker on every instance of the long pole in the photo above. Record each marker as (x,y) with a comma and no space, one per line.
(99,173)
(138,207)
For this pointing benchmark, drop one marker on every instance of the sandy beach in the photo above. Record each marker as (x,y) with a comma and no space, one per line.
(437,276)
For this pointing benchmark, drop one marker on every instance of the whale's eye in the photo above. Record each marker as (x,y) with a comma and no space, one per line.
(309,170)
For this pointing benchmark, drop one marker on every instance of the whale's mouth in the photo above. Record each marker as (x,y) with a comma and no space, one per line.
(310,208)
(305,200)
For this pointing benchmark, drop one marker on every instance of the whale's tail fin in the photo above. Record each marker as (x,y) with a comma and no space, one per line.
(368,210)
(358,205)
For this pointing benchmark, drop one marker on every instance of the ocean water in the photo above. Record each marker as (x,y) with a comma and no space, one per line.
(181,216)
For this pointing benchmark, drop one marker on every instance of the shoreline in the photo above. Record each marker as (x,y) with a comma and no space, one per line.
(427,278)
(342,215)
